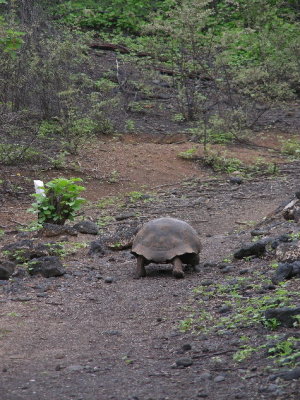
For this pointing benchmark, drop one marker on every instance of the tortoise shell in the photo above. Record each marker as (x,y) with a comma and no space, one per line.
(162,239)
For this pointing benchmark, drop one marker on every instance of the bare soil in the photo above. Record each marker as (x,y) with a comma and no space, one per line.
(81,337)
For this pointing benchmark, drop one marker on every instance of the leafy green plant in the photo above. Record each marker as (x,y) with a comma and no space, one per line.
(272,323)
(60,202)
(244,353)
(135,196)
(109,201)
(129,125)
(222,163)
(291,147)
(188,154)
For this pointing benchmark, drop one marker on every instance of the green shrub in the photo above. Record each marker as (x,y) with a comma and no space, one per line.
(14,153)
(291,147)
(60,202)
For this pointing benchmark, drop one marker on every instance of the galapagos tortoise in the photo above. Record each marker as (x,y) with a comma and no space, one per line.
(166,240)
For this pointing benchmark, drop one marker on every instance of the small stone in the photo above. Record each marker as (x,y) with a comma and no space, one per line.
(112,333)
(6,269)
(109,279)
(269,287)
(184,362)
(123,216)
(96,247)
(205,376)
(4,369)
(186,347)
(87,227)
(227,269)
(257,232)
(210,264)
(219,378)
(225,309)
(22,299)
(269,389)
(202,395)
(207,283)
(244,271)
(235,180)
(74,368)
(19,273)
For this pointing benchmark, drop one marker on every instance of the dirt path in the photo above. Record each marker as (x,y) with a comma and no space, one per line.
(80,337)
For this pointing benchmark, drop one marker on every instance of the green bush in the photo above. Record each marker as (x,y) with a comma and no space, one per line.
(117,15)
(60,202)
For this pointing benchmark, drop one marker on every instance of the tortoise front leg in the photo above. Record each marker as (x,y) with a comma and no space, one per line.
(140,271)
(177,269)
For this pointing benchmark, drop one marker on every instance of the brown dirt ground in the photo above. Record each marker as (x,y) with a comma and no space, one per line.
(77,337)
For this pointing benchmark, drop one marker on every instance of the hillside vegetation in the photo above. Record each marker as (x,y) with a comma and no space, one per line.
(226,64)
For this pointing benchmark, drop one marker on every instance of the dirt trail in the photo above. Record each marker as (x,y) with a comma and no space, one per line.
(78,337)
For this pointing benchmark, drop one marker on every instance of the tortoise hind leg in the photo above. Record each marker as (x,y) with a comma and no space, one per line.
(177,269)
(140,271)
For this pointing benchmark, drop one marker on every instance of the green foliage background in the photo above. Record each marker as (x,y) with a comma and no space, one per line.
(248,51)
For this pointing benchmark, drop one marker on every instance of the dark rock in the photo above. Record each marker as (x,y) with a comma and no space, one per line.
(51,230)
(19,273)
(109,279)
(244,271)
(184,362)
(251,249)
(87,227)
(288,252)
(284,315)
(286,271)
(272,388)
(96,247)
(225,309)
(112,333)
(269,287)
(42,295)
(205,376)
(19,251)
(48,266)
(47,249)
(257,232)
(202,395)
(186,347)
(285,238)
(207,283)
(22,299)
(235,180)
(123,216)
(289,375)
(122,239)
(227,269)
(6,269)
(26,243)
(210,264)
